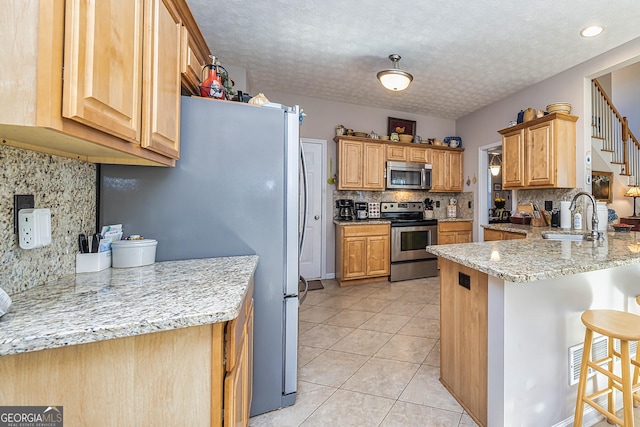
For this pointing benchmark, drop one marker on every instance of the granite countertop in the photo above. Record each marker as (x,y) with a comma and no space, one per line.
(534,258)
(361,221)
(117,303)
(529,230)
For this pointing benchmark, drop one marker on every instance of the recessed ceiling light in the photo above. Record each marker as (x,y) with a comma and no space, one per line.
(591,31)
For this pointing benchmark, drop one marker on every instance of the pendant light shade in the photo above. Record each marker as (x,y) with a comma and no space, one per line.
(494,165)
(395,79)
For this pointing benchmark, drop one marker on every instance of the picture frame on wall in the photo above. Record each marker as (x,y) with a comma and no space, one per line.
(407,127)
(602,186)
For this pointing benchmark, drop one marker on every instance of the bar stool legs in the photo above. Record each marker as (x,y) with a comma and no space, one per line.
(623,327)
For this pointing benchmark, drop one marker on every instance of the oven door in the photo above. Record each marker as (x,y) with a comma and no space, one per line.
(409,242)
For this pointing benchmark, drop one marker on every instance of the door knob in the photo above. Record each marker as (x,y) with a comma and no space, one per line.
(317,217)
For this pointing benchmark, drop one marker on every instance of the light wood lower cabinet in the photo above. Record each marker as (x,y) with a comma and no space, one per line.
(463,336)
(239,367)
(169,378)
(454,232)
(492,235)
(362,253)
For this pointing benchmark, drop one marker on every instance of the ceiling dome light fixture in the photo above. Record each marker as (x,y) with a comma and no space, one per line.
(591,31)
(395,79)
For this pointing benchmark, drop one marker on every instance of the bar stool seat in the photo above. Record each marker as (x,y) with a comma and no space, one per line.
(624,327)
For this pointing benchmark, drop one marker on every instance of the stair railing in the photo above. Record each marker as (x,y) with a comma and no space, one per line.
(612,128)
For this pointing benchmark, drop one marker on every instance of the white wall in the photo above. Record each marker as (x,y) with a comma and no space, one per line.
(480,128)
(625,93)
(322,118)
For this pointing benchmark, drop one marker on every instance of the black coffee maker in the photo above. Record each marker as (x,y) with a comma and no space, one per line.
(345,209)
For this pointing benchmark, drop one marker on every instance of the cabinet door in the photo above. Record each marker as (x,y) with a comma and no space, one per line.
(419,155)
(454,173)
(439,171)
(373,166)
(350,167)
(103,65)
(191,63)
(397,154)
(446,238)
(513,160)
(378,262)
(463,237)
(492,235)
(354,257)
(235,390)
(161,92)
(541,161)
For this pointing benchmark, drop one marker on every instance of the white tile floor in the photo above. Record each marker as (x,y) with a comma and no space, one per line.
(369,355)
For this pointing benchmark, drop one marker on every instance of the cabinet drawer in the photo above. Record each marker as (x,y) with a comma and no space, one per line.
(365,230)
(454,226)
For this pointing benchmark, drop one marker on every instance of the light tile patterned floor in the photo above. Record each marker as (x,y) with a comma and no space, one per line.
(369,355)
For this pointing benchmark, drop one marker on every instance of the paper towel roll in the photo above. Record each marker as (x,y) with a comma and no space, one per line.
(565,215)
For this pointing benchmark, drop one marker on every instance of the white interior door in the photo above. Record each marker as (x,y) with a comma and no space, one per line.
(312,252)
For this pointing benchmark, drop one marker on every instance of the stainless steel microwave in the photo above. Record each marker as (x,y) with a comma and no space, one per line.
(408,176)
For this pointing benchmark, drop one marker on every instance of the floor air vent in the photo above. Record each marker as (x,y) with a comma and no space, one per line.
(598,351)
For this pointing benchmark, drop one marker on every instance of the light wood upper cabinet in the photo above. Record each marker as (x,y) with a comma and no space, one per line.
(161,100)
(540,153)
(396,153)
(420,155)
(117,100)
(373,167)
(447,170)
(513,159)
(103,66)
(360,165)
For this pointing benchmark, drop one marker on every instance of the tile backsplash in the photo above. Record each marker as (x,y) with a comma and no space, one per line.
(465,200)
(68,188)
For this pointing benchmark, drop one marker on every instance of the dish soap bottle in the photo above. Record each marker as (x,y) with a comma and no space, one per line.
(577,221)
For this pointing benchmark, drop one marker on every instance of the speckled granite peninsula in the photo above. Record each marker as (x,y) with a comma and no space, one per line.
(117,303)
(515,305)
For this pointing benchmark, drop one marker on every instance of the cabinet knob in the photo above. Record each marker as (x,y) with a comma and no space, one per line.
(317,217)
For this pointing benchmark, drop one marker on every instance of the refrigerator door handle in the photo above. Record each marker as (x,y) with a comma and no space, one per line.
(303,295)
(305,189)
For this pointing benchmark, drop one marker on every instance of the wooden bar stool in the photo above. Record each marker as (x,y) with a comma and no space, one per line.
(624,327)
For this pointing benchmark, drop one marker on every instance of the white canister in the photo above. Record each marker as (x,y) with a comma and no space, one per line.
(452,211)
(133,253)
(428,214)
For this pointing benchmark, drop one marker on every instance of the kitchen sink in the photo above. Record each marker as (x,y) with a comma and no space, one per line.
(564,236)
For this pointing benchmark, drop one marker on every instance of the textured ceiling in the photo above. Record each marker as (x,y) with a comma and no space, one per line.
(463,54)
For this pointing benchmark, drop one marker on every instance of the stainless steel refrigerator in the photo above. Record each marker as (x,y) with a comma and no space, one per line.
(235,191)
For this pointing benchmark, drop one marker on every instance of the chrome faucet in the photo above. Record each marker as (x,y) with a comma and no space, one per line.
(595,234)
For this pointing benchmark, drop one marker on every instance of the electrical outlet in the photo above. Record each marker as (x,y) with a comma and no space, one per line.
(34,228)
(437,203)
(21,201)
(469,204)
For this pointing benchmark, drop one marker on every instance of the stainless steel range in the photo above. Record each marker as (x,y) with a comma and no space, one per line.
(410,234)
